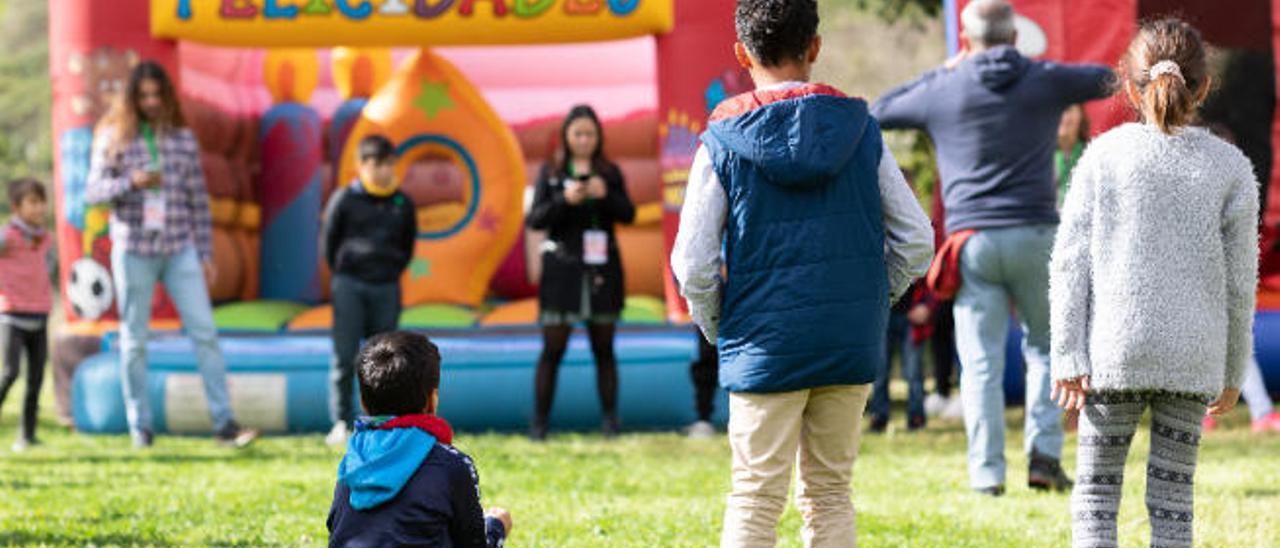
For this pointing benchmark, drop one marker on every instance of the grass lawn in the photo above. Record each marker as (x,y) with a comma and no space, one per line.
(579,490)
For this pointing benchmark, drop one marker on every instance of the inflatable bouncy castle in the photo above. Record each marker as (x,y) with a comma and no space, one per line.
(473,93)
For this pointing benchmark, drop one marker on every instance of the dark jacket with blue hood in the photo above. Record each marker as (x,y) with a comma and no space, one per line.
(806,296)
(994,119)
(401,483)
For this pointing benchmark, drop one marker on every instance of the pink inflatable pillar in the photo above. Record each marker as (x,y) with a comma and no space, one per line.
(689,87)
(92,47)
(290,191)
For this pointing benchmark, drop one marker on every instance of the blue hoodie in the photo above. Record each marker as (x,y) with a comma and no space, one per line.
(401,487)
(994,120)
(806,297)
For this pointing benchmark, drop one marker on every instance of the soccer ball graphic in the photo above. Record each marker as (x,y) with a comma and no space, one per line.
(89,289)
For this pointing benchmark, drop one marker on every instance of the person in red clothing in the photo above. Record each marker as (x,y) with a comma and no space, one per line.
(25,298)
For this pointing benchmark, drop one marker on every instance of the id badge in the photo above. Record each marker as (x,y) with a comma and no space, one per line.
(153,212)
(595,247)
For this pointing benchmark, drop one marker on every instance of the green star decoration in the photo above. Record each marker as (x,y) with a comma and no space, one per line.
(419,268)
(433,99)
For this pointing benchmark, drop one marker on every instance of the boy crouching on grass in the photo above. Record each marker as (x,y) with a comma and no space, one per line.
(401,481)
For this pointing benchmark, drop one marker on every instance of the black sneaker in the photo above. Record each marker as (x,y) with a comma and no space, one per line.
(879,424)
(1045,473)
(143,439)
(993,491)
(915,423)
(538,430)
(609,426)
(234,435)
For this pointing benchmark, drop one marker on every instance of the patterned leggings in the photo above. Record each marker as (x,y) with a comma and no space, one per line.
(1107,425)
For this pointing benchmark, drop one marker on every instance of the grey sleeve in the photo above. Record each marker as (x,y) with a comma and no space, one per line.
(1240,246)
(1071,278)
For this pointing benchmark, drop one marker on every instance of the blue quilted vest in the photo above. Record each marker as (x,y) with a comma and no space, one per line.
(806,298)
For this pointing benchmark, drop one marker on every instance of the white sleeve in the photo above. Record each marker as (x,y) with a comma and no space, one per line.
(695,258)
(908,235)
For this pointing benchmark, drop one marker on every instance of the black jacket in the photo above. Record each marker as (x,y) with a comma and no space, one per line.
(367,237)
(563,268)
(439,506)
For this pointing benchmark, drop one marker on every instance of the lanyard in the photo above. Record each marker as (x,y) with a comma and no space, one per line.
(149,135)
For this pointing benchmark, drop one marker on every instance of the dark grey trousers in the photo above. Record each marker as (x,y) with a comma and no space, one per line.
(360,310)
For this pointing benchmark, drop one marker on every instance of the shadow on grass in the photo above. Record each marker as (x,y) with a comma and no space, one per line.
(1261,493)
(58,538)
(134,457)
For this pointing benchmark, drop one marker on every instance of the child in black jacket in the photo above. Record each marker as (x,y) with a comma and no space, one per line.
(370,229)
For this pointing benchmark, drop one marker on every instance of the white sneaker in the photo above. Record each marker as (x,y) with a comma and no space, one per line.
(337,435)
(954,409)
(934,405)
(701,430)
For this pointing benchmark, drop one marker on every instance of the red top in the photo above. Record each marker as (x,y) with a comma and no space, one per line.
(24,272)
(752,100)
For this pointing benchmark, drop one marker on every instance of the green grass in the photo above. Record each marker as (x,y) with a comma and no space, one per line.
(579,490)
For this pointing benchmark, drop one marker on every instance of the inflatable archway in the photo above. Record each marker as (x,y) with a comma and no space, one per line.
(278,92)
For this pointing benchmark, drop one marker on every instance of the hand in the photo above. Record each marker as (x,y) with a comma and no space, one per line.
(1225,402)
(596,188)
(959,57)
(575,193)
(210,273)
(919,315)
(1070,393)
(503,516)
(145,179)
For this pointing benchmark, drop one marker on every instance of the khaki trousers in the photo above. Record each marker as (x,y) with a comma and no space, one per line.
(768,432)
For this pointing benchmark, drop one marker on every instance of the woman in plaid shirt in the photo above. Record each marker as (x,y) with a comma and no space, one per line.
(146,166)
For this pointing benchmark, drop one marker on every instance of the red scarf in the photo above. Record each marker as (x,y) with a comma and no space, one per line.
(430,424)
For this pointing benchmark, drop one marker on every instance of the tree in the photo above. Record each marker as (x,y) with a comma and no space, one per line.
(26,145)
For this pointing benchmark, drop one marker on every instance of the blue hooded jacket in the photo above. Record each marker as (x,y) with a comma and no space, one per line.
(994,119)
(401,487)
(807,291)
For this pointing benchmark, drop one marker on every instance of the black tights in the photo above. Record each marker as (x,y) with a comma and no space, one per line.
(17,341)
(555,340)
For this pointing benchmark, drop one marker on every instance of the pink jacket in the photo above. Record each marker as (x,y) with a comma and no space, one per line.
(24,271)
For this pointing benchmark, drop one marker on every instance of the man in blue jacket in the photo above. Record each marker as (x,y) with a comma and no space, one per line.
(993,116)
(820,232)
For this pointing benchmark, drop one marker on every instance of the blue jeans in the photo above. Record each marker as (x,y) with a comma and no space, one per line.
(183,277)
(360,310)
(1000,266)
(899,338)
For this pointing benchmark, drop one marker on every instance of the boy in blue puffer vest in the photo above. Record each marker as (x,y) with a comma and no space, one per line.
(821,233)
(401,482)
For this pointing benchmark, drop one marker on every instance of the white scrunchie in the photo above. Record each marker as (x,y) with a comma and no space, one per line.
(1166,67)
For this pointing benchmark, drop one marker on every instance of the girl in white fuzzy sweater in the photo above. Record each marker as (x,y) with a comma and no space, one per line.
(1152,288)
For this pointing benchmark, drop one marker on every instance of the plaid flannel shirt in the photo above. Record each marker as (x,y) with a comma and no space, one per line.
(187,218)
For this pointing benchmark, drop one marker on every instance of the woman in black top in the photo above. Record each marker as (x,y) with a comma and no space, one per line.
(579,198)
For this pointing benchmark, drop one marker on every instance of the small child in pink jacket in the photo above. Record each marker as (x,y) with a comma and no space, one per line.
(25,298)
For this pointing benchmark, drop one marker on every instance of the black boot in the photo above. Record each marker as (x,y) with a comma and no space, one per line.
(1045,474)
(609,426)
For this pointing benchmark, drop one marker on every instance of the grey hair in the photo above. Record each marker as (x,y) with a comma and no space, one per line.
(988,22)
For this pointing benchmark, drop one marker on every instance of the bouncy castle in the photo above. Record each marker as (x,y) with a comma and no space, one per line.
(473,93)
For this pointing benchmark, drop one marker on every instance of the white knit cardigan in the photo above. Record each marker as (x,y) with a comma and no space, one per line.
(1156,263)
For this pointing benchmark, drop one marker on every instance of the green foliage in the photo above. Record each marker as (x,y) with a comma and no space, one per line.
(26,147)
